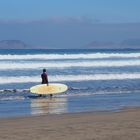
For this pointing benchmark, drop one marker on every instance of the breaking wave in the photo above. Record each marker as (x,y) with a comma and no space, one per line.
(80,77)
(70,56)
(37,65)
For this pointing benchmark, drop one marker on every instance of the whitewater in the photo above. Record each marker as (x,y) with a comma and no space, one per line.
(97,79)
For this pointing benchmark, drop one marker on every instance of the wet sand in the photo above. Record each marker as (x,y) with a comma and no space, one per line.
(123,125)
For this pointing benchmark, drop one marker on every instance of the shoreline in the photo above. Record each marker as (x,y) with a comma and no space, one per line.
(123,124)
(94,112)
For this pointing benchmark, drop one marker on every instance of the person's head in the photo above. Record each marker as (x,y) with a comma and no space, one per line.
(44,70)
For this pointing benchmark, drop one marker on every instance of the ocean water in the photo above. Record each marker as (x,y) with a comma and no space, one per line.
(97,79)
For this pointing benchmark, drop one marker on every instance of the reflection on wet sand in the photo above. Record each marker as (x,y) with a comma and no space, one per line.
(48,105)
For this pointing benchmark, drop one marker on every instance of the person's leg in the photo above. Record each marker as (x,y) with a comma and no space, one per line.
(40,95)
(51,95)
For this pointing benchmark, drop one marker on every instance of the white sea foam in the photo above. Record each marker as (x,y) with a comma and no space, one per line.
(12,98)
(70,56)
(61,78)
(27,65)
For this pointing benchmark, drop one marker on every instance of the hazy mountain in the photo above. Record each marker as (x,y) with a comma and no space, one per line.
(69,33)
(100,44)
(132,43)
(128,43)
(12,44)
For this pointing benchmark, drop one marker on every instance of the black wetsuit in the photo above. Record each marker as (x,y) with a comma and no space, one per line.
(44,77)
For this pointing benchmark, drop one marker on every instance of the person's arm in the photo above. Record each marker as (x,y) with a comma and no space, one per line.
(42,78)
(47,79)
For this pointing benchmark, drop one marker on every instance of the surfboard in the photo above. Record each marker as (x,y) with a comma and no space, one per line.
(52,88)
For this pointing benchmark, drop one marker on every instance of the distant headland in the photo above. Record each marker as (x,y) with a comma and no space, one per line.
(12,44)
(125,44)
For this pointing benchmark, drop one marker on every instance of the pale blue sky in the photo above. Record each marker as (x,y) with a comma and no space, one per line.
(70,23)
(102,10)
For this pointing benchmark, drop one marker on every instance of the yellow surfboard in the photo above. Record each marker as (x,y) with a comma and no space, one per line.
(52,88)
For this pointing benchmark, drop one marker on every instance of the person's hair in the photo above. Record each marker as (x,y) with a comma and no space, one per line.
(44,70)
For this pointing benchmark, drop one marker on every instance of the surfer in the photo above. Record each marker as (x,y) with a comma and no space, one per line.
(44,77)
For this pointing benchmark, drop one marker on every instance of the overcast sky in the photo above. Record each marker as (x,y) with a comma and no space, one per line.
(69,23)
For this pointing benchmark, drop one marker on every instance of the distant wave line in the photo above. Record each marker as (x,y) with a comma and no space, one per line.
(64,78)
(69,56)
(48,65)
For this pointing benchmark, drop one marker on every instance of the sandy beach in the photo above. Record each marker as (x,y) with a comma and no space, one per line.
(123,125)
